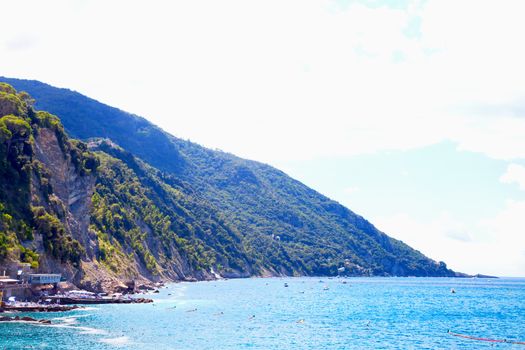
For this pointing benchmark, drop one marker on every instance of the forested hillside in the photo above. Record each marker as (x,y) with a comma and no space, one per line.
(97,214)
(240,217)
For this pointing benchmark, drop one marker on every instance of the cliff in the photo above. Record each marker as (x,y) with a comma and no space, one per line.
(89,215)
(102,216)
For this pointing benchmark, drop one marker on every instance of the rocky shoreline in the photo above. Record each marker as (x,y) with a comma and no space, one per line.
(38,308)
(23,319)
(65,300)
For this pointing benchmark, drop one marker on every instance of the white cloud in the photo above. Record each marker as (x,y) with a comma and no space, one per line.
(506,238)
(493,245)
(499,137)
(515,174)
(288,80)
(350,190)
(24,41)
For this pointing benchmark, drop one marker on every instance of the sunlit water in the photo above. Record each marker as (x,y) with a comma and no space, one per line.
(364,313)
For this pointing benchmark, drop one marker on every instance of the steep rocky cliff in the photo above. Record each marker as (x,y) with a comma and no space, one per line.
(47,183)
(46,202)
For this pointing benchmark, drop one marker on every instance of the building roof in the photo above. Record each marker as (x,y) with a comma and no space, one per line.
(7,280)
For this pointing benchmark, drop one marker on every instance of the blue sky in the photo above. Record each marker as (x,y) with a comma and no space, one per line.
(411,113)
(464,183)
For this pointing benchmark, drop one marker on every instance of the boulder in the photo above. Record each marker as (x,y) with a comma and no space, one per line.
(28,319)
(145,287)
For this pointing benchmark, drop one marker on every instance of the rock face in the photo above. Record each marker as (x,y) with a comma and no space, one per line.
(71,199)
(72,190)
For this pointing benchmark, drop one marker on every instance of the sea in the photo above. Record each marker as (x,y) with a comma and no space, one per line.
(294,313)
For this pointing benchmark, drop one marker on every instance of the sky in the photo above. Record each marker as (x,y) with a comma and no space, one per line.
(410,113)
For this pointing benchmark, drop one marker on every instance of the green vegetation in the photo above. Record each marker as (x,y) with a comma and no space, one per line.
(56,240)
(136,211)
(29,256)
(15,171)
(208,208)
(23,179)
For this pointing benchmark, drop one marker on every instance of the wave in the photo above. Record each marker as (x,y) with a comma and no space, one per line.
(82,330)
(115,341)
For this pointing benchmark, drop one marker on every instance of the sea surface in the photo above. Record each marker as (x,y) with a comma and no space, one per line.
(311,313)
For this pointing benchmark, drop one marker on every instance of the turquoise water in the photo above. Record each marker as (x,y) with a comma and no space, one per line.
(365,313)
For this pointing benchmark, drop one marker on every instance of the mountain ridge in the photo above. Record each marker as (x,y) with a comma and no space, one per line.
(315,235)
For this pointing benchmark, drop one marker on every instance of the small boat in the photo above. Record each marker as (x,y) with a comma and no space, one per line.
(326,288)
(286,284)
(452,290)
